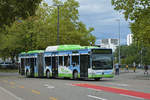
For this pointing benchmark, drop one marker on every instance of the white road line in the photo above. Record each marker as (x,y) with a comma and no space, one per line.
(49,86)
(132,96)
(119,84)
(11,94)
(69,84)
(96,97)
(94,89)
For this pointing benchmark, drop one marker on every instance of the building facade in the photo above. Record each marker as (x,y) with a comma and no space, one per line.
(129,39)
(109,43)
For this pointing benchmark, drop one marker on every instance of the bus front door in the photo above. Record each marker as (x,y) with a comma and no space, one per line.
(40,65)
(32,67)
(22,67)
(84,59)
(54,67)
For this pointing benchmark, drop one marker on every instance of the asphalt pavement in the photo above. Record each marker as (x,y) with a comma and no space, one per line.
(126,86)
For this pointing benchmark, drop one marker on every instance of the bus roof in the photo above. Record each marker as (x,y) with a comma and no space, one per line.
(60,48)
(67,47)
(33,51)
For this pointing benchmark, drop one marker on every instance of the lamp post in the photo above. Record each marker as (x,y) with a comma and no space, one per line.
(58,5)
(119,39)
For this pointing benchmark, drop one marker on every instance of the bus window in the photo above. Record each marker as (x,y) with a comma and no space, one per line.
(35,61)
(31,60)
(66,61)
(47,61)
(22,62)
(60,60)
(89,61)
(75,60)
(27,62)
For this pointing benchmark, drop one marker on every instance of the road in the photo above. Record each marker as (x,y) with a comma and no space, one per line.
(126,86)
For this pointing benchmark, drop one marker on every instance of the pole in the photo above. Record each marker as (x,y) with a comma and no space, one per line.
(58,27)
(141,56)
(119,40)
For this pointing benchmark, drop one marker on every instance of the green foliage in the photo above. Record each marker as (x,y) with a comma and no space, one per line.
(138,12)
(141,29)
(129,54)
(132,9)
(39,31)
(134,53)
(13,9)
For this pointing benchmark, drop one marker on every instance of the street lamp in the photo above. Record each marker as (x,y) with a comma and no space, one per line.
(58,5)
(119,38)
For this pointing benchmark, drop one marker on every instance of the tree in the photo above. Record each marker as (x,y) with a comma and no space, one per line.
(129,54)
(72,31)
(138,11)
(40,30)
(133,53)
(10,10)
(132,9)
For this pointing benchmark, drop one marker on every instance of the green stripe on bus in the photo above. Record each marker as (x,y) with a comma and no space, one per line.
(67,75)
(74,47)
(35,74)
(104,76)
(64,75)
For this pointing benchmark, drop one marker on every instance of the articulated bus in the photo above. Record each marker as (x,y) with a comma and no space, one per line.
(67,61)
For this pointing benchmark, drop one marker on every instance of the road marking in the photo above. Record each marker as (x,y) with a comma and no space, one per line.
(52,98)
(11,94)
(118,84)
(116,90)
(94,89)
(5,81)
(12,87)
(120,88)
(49,86)
(36,92)
(21,87)
(132,96)
(69,84)
(12,83)
(91,96)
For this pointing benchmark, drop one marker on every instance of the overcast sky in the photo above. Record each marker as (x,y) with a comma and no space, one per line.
(101,15)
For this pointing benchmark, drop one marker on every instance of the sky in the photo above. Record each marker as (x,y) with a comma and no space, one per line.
(100,15)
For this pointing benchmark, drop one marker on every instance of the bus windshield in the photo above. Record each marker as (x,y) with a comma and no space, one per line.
(100,61)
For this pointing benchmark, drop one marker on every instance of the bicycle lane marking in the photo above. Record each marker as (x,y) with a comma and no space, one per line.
(115,90)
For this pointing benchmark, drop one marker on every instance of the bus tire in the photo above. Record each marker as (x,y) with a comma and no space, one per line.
(97,79)
(27,73)
(48,74)
(75,75)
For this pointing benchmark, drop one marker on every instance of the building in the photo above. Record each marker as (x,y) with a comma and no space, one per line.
(129,39)
(109,43)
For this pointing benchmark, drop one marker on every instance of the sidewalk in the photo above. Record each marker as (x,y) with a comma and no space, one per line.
(139,74)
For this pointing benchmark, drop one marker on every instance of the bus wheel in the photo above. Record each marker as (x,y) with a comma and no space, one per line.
(75,75)
(27,73)
(48,74)
(97,79)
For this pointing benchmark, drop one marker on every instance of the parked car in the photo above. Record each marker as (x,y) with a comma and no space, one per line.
(7,65)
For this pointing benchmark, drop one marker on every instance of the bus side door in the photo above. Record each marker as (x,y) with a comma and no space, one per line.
(84,63)
(54,66)
(40,65)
